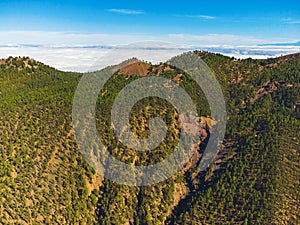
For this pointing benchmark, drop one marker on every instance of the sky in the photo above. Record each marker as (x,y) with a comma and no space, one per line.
(57,32)
(189,21)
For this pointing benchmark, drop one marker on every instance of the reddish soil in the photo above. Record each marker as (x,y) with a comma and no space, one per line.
(137,68)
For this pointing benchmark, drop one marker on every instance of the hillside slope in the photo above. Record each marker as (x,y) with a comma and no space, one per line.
(254,179)
(43,178)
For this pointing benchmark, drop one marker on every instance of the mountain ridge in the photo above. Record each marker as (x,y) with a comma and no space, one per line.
(282,44)
(252,181)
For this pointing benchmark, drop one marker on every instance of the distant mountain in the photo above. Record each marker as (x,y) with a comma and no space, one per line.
(282,44)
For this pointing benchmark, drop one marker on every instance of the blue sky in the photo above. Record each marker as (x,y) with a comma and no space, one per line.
(193,22)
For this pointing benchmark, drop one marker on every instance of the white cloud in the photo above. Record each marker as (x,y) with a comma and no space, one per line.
(66,38)
(222,39)
(207,17)
(290,21)
(71,39)
(67,59)
(127,11)
(204,17)
(87,58)
(79,52)
(294,22)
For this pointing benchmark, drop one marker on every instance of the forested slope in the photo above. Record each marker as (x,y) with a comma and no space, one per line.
(254,179)
(44,180)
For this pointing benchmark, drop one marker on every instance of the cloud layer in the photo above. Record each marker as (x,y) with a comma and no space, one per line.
(87,58)
(68,38)
(81,52)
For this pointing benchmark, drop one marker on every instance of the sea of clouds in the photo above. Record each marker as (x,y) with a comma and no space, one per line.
(83,58)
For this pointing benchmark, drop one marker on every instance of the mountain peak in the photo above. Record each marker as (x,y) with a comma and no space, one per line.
(134,67)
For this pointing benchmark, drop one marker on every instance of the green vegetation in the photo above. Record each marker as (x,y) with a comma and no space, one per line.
(43,177)
(254,179)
